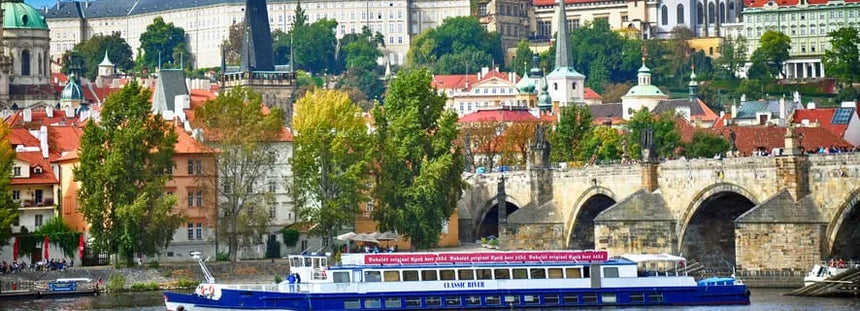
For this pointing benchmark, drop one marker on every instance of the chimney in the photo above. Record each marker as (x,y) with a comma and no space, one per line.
(49,111)
(782,112)
(43,140)
(28,115)
(734,110)
(810,105)
(181,102)
(484,71)
(70,112)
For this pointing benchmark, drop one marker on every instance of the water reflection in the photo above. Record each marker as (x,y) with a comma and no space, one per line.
(762,299)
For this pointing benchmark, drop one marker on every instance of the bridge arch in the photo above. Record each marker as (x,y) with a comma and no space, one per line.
(843,231)
(487,221)
(597,198)
(706,231)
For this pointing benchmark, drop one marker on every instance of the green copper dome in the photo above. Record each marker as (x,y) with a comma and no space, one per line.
(17,14)
(72,91)
(526,85)
(544,100)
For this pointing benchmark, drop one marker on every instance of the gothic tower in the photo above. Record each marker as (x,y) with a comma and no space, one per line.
(566,85)
(257,41)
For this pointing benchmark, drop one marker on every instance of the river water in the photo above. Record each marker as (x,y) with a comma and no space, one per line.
(762,299)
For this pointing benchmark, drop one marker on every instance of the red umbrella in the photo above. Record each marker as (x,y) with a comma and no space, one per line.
(15,250)
(46,248)
(81,247)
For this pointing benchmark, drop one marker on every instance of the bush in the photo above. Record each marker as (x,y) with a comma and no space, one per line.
(154,264)
(291,236)
(222,257)
(139,287)
(116,283)
(278,279)
(185,283)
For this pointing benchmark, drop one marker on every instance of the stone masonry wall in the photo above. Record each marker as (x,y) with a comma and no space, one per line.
(778,247)
(532,237)
(635,237)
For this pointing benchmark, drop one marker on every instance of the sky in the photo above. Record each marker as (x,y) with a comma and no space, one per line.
(40,3)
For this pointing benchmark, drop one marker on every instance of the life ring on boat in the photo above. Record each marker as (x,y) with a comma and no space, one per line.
(211,289)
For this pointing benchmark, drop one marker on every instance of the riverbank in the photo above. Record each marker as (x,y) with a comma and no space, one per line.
(164,276)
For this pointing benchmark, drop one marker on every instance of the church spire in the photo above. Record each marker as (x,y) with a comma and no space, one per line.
(562,46)
(257,42)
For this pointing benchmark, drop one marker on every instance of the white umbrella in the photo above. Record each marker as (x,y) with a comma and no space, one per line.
(387,236)
(346,236)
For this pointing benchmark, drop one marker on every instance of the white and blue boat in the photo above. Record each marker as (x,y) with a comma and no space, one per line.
(476,280)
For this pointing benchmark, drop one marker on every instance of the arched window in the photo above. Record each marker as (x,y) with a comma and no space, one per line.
(711,14)
(664,19)
(699,14)
(731,6)
(555,86)
(722,12)
(573,85)
(680,13)
(25,62)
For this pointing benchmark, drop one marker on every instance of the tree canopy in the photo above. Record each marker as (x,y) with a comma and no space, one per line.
(235,124)
(124,164)
(666,137)
(163,42)
(842,59)
(774,47)
(573,126)
(92,52)
(459,46)
(8,209)
(418,167)
(330,162)
(705,145)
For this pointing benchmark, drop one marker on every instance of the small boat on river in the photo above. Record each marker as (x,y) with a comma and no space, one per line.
(462,280)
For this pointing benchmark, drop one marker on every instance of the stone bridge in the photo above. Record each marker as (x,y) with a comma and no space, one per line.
(752,213)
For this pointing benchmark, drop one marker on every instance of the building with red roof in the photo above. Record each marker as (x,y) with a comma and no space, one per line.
(843,122)
(34,184)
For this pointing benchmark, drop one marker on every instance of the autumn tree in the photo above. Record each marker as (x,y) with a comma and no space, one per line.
(486,141)
(417,165)
(516,141)
(330,162)
(8,210)
(246,138)
(124,164)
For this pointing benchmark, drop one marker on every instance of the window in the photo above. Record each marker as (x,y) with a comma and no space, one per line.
(514,300)
(589,298)
(190,167)
(372,303)
(550,299)
(484,274)
(392,303)
(273,210)
(16,195)
(538,273)
(531,299)
(573,273)
(190,231)
(473,300)
(700,13)
(199,166)
(190,198)
(428,275)
(664,19)
(452,301)
(413,302)
(199,198)
(272,186)
(520,274)
(433,301)
(392,276)
(555,86)
(679,11)
(570,299)
(16,171)
(25,63)
(38,220)
(351,303)
(711,13)
(170,169)
(38,196)
(555,273)
(446,275)
(466,274)
(493,300)
(199,232)
(372,276)
(610,272)
(410,275)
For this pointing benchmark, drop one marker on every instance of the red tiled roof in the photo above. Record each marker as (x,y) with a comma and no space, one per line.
(185,144)
(59,78)
(499,115)
(22,136)
(35,159)
(555,2)
(718,123)
(761,3)
(467,81)
(64,139)
(591,94)
(823,116)
(68,156)
(40,117)
(750,138)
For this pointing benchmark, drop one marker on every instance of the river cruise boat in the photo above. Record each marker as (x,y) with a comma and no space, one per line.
(461,280)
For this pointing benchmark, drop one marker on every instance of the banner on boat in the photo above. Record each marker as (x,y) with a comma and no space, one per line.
(429,258)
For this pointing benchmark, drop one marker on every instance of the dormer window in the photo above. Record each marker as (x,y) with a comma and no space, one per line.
(37,170)
(16,171)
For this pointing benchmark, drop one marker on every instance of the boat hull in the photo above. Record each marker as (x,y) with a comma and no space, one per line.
(478,299)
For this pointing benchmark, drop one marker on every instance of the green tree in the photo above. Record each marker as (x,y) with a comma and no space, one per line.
(8,210)
(417,167)
(281,43)
(314,46)
(235,125)
(360,50)
(601,144)
(666,137)
(365,80)
(465,44)
(705,145)
(92,51)
(733,55)
(60,234)
(759,69)
(232,45)
(330,161)
(573,126)
(165,43)
(522,58)
(593,47)
(774,48)
(842,59)
(124,162)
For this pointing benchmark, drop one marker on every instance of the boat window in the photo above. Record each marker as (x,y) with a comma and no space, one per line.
(589,298)
(452,301)
(372,276)
(608,298)
(428,275)
(531,299)
(392,303)
(514,300)
(655,297)
(573,273)
(341,277)
(637,297)
(295,262)
(493,300)
(324,262)
(316,262)
(484,274)
(446,275)
(372,303)
(520,274)
(555,273)
(433,301)
(413,302)
(610,272)
(307,262)
(550,299)
(473,300)
(570,299)
(538,273)
(410,275)
(466,274)
(392,276)
(502,274)
(352,304)
(586,273)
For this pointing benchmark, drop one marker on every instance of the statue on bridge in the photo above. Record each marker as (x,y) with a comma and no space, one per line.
(649,154)
(501,201)
(541,147)
(467,144)
(733,147)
